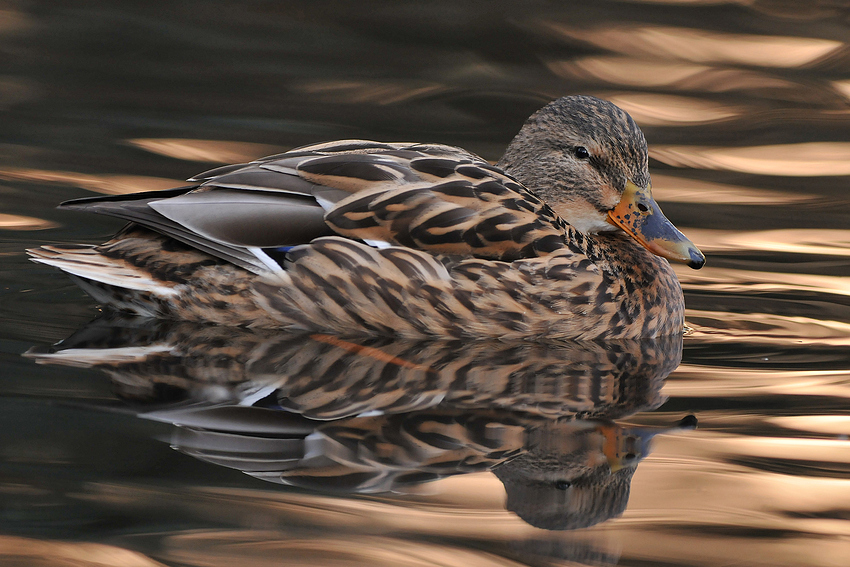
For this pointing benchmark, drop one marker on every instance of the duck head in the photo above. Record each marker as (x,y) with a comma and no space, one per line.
(588,160)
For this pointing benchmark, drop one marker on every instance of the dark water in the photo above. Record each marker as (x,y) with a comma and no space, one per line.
(745,107)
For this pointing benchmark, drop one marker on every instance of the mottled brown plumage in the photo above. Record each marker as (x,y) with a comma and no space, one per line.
(376,414)
(414,240)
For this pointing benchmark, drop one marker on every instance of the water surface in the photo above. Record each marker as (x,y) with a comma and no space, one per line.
(745,107)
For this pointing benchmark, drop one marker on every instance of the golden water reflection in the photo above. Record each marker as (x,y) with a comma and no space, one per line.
(843,87)
(213,151)
(717,523)
(767,328)
(732,280)
(668,521)
(827,242)
(21,222)
(668,110)
(683,190)
(738,495)
(267,548)
(838,425)
(36,552)
(729,493)
(265,525)
(101,183)
(700,45)
(810,159)
(632,72)
(697,381)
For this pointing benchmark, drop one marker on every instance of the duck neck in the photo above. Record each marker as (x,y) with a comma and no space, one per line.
(617,254)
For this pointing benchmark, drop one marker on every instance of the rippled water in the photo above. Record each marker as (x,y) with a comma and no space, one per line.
(140,462)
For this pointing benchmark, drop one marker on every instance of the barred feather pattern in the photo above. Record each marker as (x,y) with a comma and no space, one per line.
(345,287)
(336,285)
(431,197)
(450,204)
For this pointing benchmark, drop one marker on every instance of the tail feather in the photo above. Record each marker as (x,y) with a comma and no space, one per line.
(154,276)
(88,263)
(99,357)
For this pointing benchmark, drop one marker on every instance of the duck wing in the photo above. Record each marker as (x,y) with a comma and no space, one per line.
(435,198)
(232,225)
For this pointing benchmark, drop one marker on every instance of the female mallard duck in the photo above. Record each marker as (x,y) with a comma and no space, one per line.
(560,240)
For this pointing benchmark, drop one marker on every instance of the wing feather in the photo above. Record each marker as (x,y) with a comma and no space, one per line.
(434,198)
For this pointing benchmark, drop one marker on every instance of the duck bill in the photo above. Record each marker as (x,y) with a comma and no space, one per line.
(626,446)
(639,215)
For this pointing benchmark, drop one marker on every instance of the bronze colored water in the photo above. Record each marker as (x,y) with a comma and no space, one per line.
(128,444)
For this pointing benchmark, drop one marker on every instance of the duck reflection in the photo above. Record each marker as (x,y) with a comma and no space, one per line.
(378,415)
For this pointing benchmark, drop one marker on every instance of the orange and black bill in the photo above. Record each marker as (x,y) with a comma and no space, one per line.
(640,216)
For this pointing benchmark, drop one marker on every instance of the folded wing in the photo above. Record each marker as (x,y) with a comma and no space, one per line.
(435,198)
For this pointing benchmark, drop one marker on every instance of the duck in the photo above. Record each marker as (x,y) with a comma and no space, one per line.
(560,239)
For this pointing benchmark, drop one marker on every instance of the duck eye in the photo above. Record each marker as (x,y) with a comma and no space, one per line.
(581,152)
(563,484)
